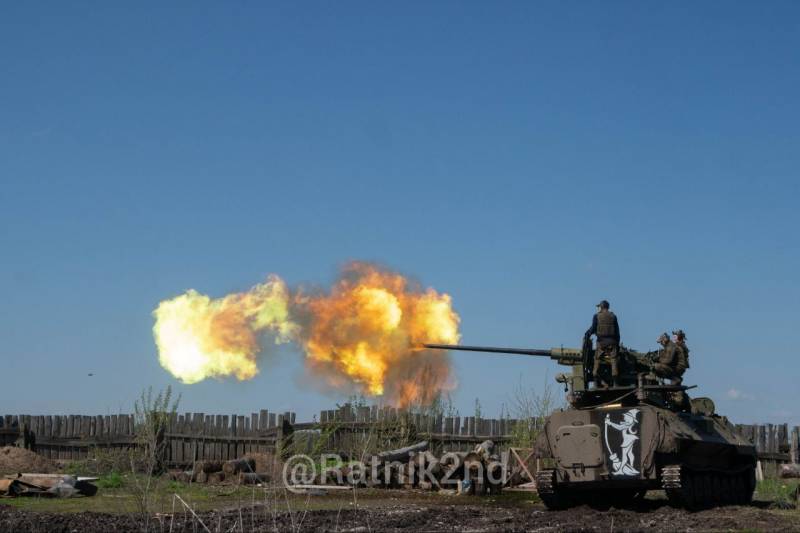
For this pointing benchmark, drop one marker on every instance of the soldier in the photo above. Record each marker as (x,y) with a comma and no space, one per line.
(679,338)
(668,363)
(606,328)
(680,398)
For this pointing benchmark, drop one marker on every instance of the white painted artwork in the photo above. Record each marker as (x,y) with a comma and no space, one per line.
(622,463)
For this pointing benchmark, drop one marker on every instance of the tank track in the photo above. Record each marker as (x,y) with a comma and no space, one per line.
(551,496)
(671,477)
(701,489)
(545,481)
(557,497)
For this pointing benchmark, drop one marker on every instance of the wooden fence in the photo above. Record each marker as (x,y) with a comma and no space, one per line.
(348,424)
(775,443)
(198,436)
(189,436)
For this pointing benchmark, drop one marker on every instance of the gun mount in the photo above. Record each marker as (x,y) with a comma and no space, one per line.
(637,383)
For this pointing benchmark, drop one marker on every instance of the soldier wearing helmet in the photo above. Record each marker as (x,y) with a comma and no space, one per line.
(606,329)
(679,338)
(668,363)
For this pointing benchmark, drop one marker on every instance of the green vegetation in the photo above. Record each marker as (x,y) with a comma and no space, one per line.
(147,457)
(101,461)
(781,492)
(203,497)
(119,494)
(530,408)
(110,481)
(152,417)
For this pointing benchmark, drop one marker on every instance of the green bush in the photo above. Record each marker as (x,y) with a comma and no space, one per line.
(175,486)
(111,481)
(78,468)
(100,462)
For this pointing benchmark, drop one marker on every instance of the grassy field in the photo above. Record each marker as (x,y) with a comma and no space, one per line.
(228,508)
(120,494)
(780,492)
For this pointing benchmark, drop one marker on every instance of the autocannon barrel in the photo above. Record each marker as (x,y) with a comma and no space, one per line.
(566,356)
(518,351)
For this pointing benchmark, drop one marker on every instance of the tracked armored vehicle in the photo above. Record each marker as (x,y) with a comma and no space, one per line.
(612,445)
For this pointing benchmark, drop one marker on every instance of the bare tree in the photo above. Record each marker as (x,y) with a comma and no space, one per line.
(152,414)
(530,408)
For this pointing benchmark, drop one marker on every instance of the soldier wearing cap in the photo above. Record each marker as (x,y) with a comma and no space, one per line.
(606,329)
(668,364)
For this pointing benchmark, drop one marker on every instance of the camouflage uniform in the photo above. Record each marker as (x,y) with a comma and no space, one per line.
(606,328)
(683,352)
(680,398)
(670,362)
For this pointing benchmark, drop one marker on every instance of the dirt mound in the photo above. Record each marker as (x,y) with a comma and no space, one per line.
(15,460)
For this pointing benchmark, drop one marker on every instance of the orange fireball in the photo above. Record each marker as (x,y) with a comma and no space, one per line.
(365,334)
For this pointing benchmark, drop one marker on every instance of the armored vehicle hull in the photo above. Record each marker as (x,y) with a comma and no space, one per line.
(607,455)
(614,444)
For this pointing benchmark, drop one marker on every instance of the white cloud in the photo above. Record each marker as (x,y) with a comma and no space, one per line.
(736,394)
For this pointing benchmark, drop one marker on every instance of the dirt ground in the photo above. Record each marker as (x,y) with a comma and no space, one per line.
(386,513)
(14,460)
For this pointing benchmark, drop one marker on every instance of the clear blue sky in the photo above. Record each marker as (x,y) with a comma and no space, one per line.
(528,158)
